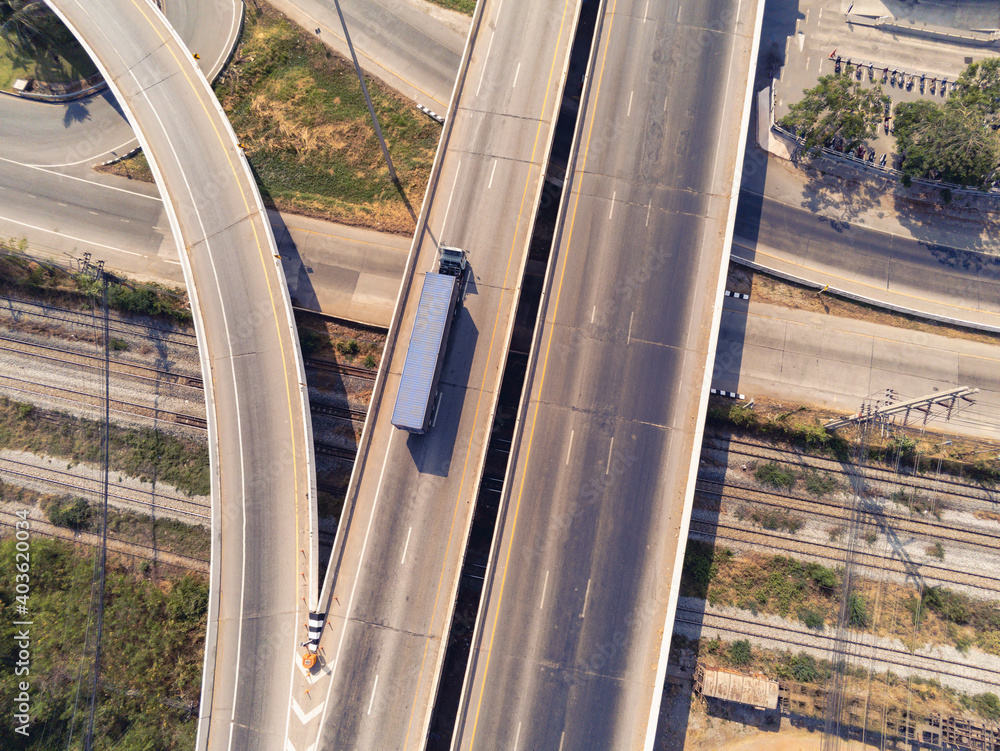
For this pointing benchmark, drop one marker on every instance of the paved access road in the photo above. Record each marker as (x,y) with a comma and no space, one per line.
(582,584)
(813,358)
(398,555)
(915,273)
(263,483)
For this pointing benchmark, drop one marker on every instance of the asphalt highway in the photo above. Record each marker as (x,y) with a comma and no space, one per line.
(569,651)
(264,565)
(398,554)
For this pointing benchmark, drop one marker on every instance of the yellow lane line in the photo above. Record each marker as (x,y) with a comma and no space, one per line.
(541,384)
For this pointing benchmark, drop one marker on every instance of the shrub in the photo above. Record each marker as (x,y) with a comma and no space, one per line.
(118,345)
(936,550)
(310,341)
(811,619)
(701,565)
(987,705)
(370,361)
(740,652)
(74,514)
(773,475)
(25,410)
(951,606)
(348,347)
(857,611)
(804,668)
(822,577)
(819,484)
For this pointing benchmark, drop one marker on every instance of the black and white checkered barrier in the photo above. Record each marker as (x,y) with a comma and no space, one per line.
(730,394)
(430,113)
(737,295)
(315,630)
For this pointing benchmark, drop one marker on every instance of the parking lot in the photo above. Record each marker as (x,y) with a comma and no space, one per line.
(935,40)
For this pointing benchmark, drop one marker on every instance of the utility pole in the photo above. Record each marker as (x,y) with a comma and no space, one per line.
(368,99)
(103,557)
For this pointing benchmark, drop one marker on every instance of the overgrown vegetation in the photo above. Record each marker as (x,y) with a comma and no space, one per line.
(21,276)
(300,115)
(777,584)
(785,427)
(153,643)
(143,453)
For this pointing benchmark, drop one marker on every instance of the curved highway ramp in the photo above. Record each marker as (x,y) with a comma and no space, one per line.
(263,481)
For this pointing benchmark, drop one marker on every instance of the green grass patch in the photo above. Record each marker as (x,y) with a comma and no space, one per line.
(61,61)
(819,483)
(142,453)
(301,117)
(151,662)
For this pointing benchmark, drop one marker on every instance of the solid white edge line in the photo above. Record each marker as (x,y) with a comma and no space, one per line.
(82,180)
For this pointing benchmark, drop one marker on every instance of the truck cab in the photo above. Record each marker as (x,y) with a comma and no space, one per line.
(451,261)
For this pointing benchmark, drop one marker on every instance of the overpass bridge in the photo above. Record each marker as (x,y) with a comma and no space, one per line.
(264,547)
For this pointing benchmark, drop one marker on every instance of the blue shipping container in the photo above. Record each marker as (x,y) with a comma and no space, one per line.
(428,341)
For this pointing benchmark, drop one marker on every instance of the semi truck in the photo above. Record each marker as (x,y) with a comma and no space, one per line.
(418,383)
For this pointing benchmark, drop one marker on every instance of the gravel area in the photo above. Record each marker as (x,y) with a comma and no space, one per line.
(42,474)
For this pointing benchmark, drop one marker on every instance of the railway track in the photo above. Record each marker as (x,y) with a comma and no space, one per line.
(833,511)
(336,367)
(121,547)
(116,325)
(791,637)
(71,482)
(943,484)
(96,362)
(777,542)
(131,408)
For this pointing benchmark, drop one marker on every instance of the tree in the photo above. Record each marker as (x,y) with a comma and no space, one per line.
(30,27)
(950,143)
(979,88)
(838,107)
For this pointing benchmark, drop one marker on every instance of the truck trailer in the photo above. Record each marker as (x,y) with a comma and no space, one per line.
(418,383)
